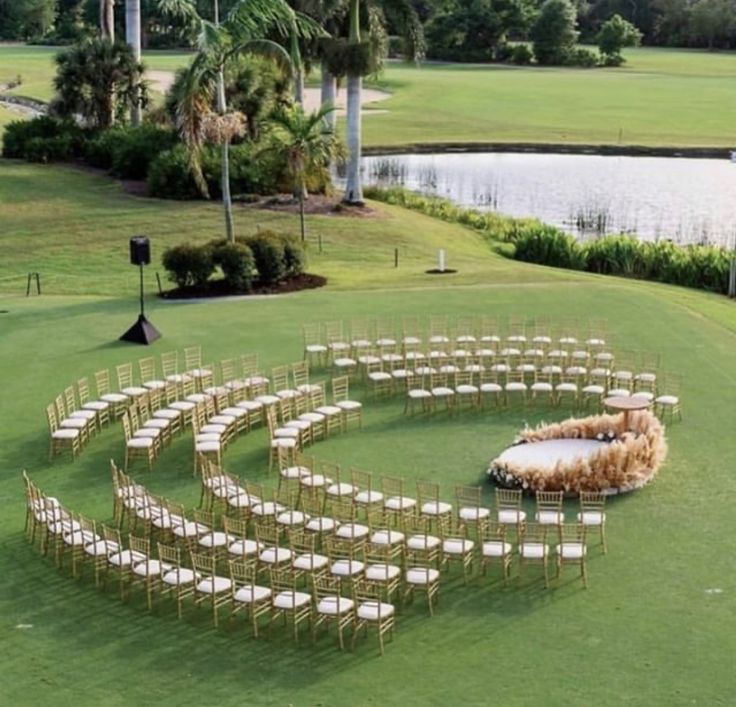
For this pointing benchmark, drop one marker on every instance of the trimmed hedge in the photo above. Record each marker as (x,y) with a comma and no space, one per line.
(267,256)
(43,139)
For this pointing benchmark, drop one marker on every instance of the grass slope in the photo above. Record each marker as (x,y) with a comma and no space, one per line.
(659,97)
(647,632)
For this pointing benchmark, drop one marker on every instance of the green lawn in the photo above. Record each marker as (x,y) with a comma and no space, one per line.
(659,97)
(650,630)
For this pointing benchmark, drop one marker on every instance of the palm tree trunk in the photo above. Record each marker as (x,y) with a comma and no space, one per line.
(353,186)
(299,85)
(107,19)
(227,203)
(302,192)
(328,95)
(133,38)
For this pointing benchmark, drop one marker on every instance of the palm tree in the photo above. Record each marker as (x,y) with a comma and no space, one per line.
(362,59)
(308,144)
(133,38)
(244,30)
(107,19)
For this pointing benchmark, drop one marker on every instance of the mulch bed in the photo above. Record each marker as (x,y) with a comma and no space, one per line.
(218,288)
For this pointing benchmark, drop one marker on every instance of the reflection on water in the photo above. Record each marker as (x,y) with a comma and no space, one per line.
(684,200)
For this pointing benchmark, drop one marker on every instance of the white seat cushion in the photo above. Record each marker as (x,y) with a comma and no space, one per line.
(321,524)
(101,547)
(294,472)
(571,550)
(422,542)
(212,446)
(284,442)
(346,568)
(496,548)
(151,568)
(511,516)
(275,555)
(533,551)
(373,611)
(214,585)
(140,442)
(591,517)
(349,405)
(329,410)
(134,390)
(182,405)
(472,513)
(515,387)
(351,531)
(436,508)
(542,387)
(594,389)
(292,518)
(244,547)
(442,391)
(422,575)
(418,393)
(66,434)
(644,395)
(387,537)
(549,517)
(252,594)
(466,389)
(315,480)
(267,508)
(381,572)
(457,546)
(179,575)
(310,561)
(399,503)
(619,393)
(125,558)
(291,600)
(216,539)
(114,397)
(80,537)
(341,489)
(667,400)
(566,388)
(368,497)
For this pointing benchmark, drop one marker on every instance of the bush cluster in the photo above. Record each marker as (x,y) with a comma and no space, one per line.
(267,257)
(43,139)
(698,266)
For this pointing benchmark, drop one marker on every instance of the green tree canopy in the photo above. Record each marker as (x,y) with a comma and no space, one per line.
(615,34)
(554,33)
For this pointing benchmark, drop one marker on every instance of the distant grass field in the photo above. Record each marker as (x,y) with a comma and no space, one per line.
(660,97)
(654,628)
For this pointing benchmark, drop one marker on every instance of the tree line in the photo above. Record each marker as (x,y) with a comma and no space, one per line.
(465,30)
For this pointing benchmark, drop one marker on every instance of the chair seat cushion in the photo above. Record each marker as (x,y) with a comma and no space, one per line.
(249,405)
(382,572)
(268,508)
(352,531)
(571,550)
(125,558)
(294,472)
(436,508)
(442,391)
(113,398)
(387,537)
(252,594)
(315,480)
(473,514)
(349,404)
(315,348)
(542,387)
(178,576)
(329,410)
(214,585)
(465,389)
(374,610)
(244,547)
(207,446)
(190,529)
(594,389)
(399,503)
(368,497)
(592,517)
(490,388)
(292,518)
(291,600)
(346,568)
(511,516)
(133,391)
(496,548)
(422,542)
(457,546)
(334,606)
(644,395)
(216,539)
(422,575)
(166,414)
(182,405)
(515,386)
(549,517)
(150,568)
(533,551)
(566,388)
(101,547)
(243,500)
(275,555)
(340,489)
(285,442)
(66,434)
(321,524)
(313,417)
(310,561)
(619,393)
(418,393)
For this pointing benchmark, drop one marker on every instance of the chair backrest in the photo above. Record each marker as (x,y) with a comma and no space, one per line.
(267,535)
(340,389)
(533,533)
(60,406)
(170,363)
(111,536)
(300,373)
(324,586)
(283,580)
(493,530)
(463,378)
(334,332)
(140,545)
(330,470)
(392,486)
(147,368)
(438,326)
(70,399)
(465,326)
(592,501)
(227,370)
(204,517)
(102,382)
(126,426)
(468,496)
(83,391)
(249,364)
(170,555)
(549,500)
(311,334)
(340,548)
(360,330)
(204,564)
(52,418)
(125,375)
(236,527)
(343,511)
(572,533)
(192,357)
(241,573)
(302,543)
(280,377)
(427,491)
(508,499)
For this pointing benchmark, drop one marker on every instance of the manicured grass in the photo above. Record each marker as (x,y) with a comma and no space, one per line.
(650,630)
(659,97)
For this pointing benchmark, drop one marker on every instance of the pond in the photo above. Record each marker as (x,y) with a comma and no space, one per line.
(681,199)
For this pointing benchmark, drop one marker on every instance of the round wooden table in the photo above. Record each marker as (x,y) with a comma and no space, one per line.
(626,405)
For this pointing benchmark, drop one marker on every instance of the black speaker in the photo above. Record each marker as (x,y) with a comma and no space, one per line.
(140,250)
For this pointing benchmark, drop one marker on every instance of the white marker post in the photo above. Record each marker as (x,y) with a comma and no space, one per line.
(441,260)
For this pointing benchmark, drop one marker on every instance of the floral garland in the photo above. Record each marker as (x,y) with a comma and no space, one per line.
(628,461)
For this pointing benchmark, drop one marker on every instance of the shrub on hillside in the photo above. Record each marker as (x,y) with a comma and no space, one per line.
(188,265)
(43,139)
(236,262)
(580,56)
(521,55)
(268,253)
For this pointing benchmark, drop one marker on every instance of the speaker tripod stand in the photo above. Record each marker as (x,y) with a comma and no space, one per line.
(142,332)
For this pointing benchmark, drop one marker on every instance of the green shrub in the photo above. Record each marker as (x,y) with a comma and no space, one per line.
(521,55)
(98,150)
(134,149)
(547,245)
(294,255)
(52,139)
(236,262)
(189,265)
(169,176)
(580,56)
(268,253)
